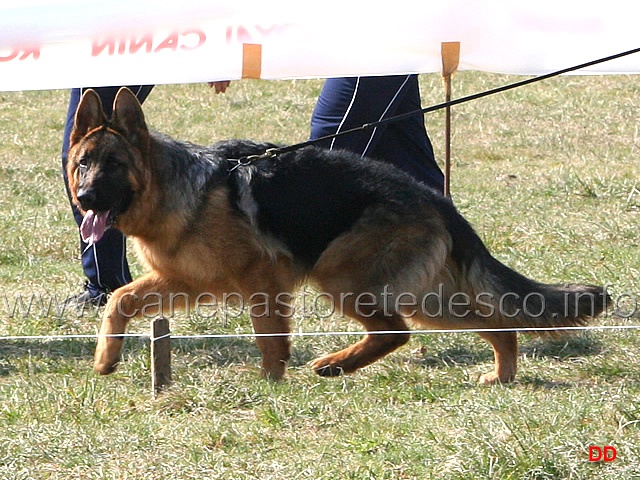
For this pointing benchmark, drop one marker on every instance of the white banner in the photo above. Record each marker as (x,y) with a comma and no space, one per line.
(50,44)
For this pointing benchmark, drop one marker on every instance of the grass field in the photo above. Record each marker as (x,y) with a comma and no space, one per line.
(549,176)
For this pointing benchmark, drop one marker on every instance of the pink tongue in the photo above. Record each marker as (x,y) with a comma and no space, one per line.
(93,226)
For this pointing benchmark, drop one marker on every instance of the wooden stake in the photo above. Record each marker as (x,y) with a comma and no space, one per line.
(160,355)
(450,52)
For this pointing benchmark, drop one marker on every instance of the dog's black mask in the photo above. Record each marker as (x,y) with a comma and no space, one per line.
(103,184)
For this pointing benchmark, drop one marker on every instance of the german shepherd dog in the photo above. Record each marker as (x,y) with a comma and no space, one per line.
(204,219)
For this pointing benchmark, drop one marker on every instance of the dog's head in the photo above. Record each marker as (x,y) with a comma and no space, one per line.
(105,160)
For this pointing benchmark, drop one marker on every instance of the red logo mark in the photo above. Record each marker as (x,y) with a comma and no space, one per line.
(602,454)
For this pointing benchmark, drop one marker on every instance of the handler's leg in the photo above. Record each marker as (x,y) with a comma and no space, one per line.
(347,103)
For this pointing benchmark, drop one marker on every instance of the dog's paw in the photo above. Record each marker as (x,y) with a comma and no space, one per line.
(492,378)
(327,367)
(105,368)
(273,373)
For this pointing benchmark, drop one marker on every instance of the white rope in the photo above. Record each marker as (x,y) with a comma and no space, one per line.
(323,334)
(69,337)
(412,332)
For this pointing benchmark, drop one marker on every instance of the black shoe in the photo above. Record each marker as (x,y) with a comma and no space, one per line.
(86,299)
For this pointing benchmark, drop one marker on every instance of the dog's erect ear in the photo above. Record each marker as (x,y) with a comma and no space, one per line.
(89,115)
(128,118)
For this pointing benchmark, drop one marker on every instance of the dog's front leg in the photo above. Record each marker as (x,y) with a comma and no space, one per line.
(147,296)
(109,345)
(271,324)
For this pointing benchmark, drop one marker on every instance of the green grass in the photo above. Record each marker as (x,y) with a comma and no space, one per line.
(549,176)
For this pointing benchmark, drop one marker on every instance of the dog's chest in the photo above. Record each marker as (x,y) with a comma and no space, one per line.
(189,265)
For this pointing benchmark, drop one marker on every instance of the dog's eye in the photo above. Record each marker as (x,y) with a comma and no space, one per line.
(82,163)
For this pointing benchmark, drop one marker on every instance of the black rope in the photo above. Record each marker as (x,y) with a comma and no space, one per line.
(457,101)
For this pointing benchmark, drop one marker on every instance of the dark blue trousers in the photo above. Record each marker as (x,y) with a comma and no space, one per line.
(105,263)
(346,103)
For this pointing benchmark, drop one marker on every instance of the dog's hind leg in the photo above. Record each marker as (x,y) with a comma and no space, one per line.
(505,349)
(371,348)
(367,269)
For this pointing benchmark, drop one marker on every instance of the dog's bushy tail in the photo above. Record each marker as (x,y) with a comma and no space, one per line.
(508,299)
(522,302)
